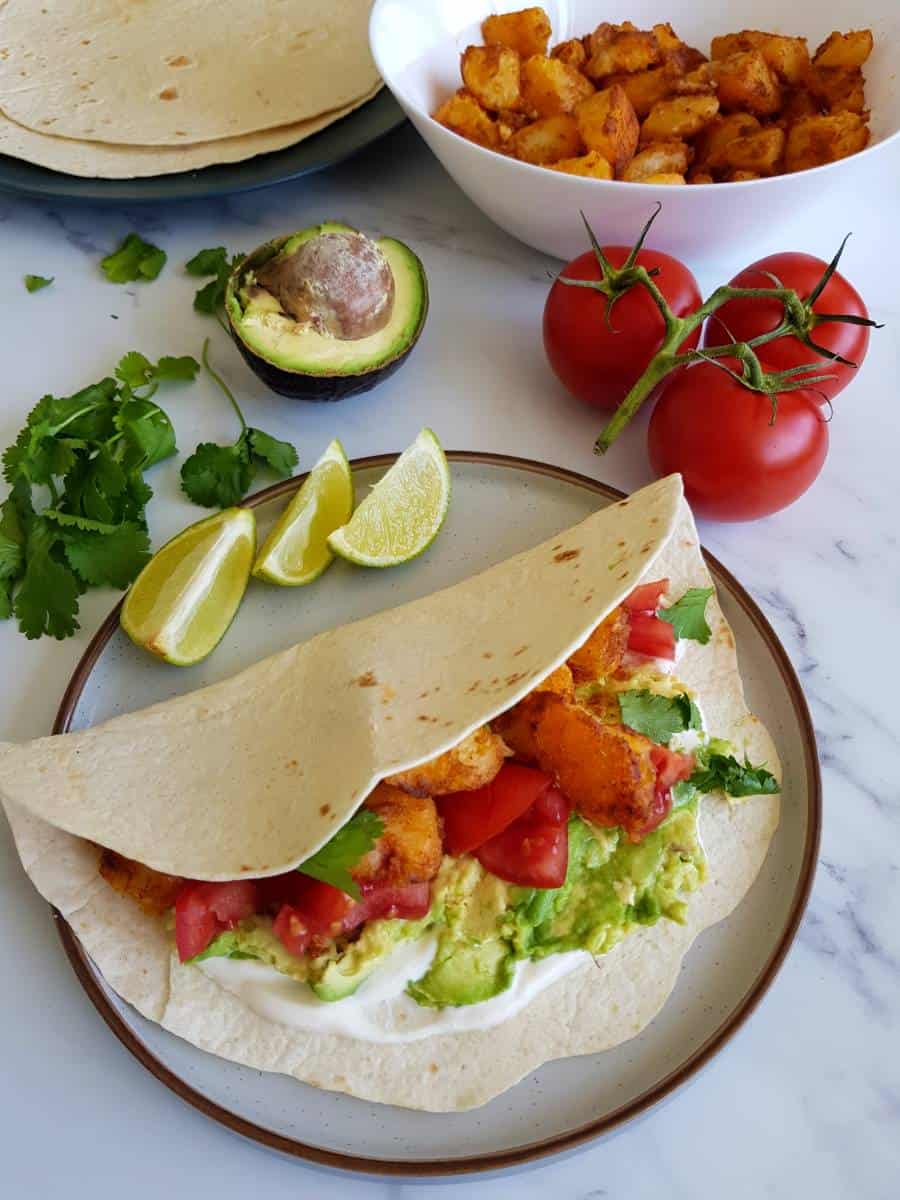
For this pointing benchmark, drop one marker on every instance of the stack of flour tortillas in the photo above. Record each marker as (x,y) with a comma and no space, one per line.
(116,89)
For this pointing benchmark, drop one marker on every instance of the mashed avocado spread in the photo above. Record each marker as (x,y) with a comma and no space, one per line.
(485,926)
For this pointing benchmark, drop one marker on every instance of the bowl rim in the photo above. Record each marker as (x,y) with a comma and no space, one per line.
(415,111)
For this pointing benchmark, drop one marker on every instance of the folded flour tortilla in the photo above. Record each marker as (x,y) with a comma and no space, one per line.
(234,779)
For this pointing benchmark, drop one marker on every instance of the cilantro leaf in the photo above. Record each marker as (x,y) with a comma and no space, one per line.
(687,616)
(218,476)
(135,370)
(280,457)
(134,260)
(723,773)
(332,863)
(658,717)
(111,559)
(12,540)
(34,283)
(6,600)
(47,599)
(212,261)
(146,431)
(182,369)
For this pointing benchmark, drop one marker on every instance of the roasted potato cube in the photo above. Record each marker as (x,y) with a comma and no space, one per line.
(740,176)
(812,141)
(746,83)
(664,177)
(667,39)
(700,177)
(464,115)
(699,82)
(604,34)
(571,52)
(838,89)
(608,124)
(845,50)
(799,103)
(550,86)
(644,88)
(718,133)
(659,158)
(592,164)
(626,52)
(759,152)
(678,118)
(548,140)
(788,57)
(491,74)
(527,31)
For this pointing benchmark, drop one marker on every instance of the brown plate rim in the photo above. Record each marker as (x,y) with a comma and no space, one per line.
(532,1151)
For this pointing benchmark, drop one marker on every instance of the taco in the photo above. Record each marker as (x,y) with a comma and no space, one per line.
(385,860)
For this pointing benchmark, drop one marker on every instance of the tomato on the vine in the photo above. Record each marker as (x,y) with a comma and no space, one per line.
(599,362)
(736,464)
(742,320)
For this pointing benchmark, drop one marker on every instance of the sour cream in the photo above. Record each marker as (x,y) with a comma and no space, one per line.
(380,1010)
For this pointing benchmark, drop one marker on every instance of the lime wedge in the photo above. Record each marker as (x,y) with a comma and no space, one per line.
(186,597)
(402,514)
(296,551)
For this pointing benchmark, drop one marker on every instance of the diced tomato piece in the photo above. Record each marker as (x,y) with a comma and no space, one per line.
(651,636)
(323,907)
(292,930)
(472,818)
(379,901)
(204,910)
(646,597)
(671,767)
(534,850)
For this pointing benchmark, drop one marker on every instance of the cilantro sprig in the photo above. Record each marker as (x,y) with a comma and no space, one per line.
(75,516)
(34,283)
(214,261)
(217,476)
(332,863)
(723,773)
(658,717)
(687,616)
(134,260)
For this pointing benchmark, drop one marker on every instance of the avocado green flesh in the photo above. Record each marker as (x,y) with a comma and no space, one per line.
(484,926)
(260,323)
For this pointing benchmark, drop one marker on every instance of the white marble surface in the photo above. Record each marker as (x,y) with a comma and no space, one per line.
(806,1101)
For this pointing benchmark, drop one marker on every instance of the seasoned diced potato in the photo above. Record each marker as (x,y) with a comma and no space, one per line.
(788,57)
(667,39)
(571,52)
(665,178)
(699,82)
(844,49)
(700,177)
(604,34)
(644,88)
(746,83)
(608,124)
(799,103)
(550,86)
(548,140)
(759,152)
(491,73)
(812,141)
(527,31)
(592,164)
(464,115)
(659,158)
(625,52)
(678,118)
(740,176)
(719,132)
(838,89)
(727,44)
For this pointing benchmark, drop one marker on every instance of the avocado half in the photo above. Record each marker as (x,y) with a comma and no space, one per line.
(298,360)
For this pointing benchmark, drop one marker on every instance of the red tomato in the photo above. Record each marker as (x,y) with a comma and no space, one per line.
(746,319)
(534,850)
(410,902)
(471,818)
(736,465)
(651,636)
(204,910)
(646,597)
(600,365)
(291,930)
(671,767)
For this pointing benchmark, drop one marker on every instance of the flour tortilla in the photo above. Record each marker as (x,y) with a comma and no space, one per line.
(605,1004)
(172,72)
(97,160)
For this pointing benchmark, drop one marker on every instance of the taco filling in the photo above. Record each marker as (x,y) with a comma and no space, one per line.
(561,825)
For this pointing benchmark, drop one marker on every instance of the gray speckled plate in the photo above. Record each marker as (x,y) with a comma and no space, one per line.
(500,506)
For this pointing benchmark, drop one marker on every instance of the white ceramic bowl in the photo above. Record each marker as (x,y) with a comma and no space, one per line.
(417,44)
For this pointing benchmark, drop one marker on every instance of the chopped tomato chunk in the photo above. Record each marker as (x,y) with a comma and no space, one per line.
(671,768)
(646,597)
(292,930)
(472,818)
(651,636)
(379,901)
(534,850)
(204,910)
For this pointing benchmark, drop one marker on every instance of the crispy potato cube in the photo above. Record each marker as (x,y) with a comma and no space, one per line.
(788,57)
(700,177)
(659,158)
(727,44)
(759,152)
(626,52)
(678,118)
(491,73)
(699,82)
(550,86)
(838,89)
(812,141)
(548,140)
(666,38)
(746,83)
(740,176)
(592,164)
(799,103)
(644,88)
(571,52)
(608,124)
(527,31)
(664,177)
(718,133)
(464,115)
(844,49)
(604,34)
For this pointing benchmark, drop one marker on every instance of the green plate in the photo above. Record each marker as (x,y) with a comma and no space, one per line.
(338,141)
